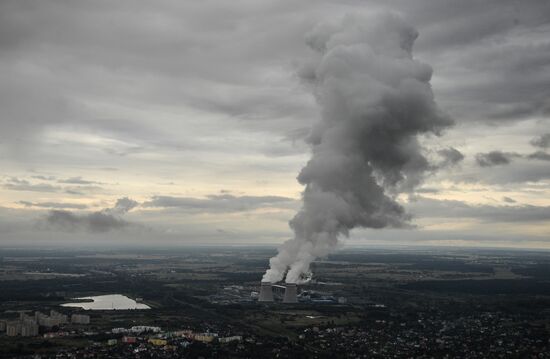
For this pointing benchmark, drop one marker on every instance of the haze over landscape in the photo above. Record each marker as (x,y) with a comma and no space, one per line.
(173,123)
(306,179)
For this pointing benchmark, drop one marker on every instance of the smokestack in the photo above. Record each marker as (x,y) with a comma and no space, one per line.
(266,293)
(376,103)
(290,293)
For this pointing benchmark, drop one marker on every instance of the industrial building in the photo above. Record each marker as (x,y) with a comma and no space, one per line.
(290,295)
(266,292)
(288,292)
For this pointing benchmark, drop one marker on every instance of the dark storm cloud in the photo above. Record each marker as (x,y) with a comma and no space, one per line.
(508,167)
(220,203)
(56,205)
(99,221)
(93,67)
(516,174)
(179,58)
(196,53)
(501,169)
(539,155)
(431,208)
(447,23)
(451,157)
(491,57)
(495,158)
(542,141)
(124,205)
(92,222)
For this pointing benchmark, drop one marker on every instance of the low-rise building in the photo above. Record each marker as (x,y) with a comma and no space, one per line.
(112,342)
(158,342)
(129,340)
(234,338)
(205,338)
(144,328)
(80,319)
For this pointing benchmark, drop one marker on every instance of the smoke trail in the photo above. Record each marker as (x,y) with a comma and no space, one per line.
(375,100)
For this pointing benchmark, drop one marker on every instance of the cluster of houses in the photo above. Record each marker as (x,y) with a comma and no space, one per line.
(162,338)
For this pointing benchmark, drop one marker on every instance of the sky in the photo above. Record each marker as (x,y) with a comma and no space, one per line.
(185,122)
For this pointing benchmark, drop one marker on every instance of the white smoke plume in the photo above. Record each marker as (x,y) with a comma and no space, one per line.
(375,101)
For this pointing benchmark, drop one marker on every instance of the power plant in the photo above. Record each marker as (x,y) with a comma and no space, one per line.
(266,292)
(288,292)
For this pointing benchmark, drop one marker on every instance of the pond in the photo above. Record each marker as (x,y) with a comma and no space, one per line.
(107,302)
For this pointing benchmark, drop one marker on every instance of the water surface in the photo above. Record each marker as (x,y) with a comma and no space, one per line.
(107,302)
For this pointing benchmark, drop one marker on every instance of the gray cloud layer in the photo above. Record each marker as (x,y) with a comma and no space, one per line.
(542,141)
(93,222)
(16,184)
(539,155)
(96,222)
(451,157)
(204,49)
(495,158)
(170,87)
(56,205)
(431,208)
(219,203)
(77,180)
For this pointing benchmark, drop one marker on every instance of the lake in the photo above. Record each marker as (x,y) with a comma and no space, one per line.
(107,302)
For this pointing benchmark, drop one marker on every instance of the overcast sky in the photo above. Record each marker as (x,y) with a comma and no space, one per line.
(183,122)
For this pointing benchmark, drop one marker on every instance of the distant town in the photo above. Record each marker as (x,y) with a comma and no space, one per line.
(211,303)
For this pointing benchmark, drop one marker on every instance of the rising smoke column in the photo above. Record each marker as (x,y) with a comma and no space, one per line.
(375,101)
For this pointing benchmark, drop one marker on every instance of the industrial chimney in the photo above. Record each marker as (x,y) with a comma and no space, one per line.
(266,293)
(290,293)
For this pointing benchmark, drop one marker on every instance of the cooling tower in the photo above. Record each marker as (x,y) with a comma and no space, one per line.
(290,293)
(266,293)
